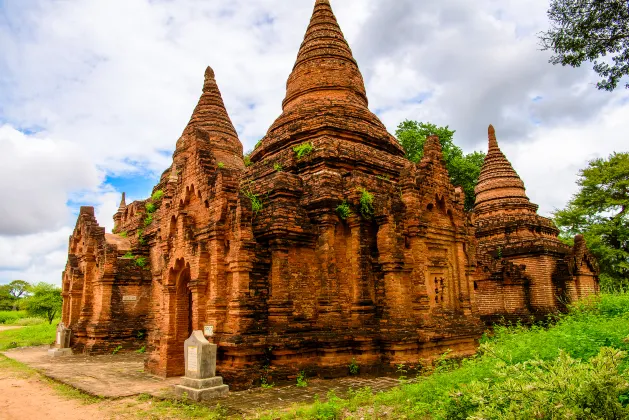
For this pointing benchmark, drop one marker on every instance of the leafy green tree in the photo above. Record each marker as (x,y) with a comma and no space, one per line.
(6,298)
(585,30)
(18,289)
(600,211)
(44,301)
(463,169)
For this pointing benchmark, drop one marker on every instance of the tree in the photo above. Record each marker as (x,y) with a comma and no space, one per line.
(6,298)
(585,30)
(18,289)
(463,169)
(600,211)
(45,301)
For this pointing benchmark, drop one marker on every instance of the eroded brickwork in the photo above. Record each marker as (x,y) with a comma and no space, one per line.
(330,247)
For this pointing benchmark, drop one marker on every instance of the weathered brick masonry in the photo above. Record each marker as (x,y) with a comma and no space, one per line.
(290,283)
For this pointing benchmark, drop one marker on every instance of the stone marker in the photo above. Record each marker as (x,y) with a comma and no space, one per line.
(201,382)
(62,342)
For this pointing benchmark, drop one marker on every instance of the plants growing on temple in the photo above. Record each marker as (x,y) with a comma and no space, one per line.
(301,379)
(221,165)
(157,195)
(366,204)
(128,256)
(256,203)
(247,159)
(116,350)
(278,167)
(141,262)
(600,211)
(150,209)
(464,169)
(141,239)
(586,30)
(123,234)
(303,149)
(353,367)
(344,210)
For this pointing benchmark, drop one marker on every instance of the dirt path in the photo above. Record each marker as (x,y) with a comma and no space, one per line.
(27,396)
(22,399)
(7,328)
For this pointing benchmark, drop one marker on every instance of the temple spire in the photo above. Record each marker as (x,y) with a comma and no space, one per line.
(493,143)
(325,63)
(123,202)
(211,116)
(498,182)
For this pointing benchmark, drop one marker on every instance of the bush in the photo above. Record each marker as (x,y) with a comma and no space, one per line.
(278,167)
(141,262)
(11,317)
(303,149)
(344,210)
(366,204)
(221,165)
(148,220)
(157,195)
(150,208)
(562,388)
(256,203)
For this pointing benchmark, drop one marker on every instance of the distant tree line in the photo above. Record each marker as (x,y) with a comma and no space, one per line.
(40,300)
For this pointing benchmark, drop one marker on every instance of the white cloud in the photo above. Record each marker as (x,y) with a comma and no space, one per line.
(37,175)
(111,85)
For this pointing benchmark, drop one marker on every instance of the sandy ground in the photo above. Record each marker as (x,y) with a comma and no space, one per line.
(7,328)
(27,396)
(22,399)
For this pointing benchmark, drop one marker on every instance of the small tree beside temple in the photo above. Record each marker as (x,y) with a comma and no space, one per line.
(45,301)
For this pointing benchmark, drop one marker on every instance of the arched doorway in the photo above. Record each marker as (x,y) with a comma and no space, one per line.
(180,317)
(184,306)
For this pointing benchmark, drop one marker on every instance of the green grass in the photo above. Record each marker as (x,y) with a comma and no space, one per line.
(583,334)
(32,335)
(180,409)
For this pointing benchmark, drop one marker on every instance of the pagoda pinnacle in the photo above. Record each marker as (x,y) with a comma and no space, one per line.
(211,116)
(498,182)
(493,143)
(123,202)
(325,63)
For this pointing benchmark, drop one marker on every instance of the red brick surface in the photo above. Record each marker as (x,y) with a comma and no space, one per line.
(293,286)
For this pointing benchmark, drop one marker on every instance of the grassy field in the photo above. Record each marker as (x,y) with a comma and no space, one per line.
(32,335)
(575,369)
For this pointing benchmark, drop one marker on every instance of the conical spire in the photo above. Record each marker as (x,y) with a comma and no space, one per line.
(325,63)
(498,181)
(325,91)
(123,202)
(211,116)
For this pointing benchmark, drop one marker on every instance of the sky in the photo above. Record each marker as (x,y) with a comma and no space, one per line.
(94,95)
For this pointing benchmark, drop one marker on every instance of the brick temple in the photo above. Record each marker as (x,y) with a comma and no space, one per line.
(328,246)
